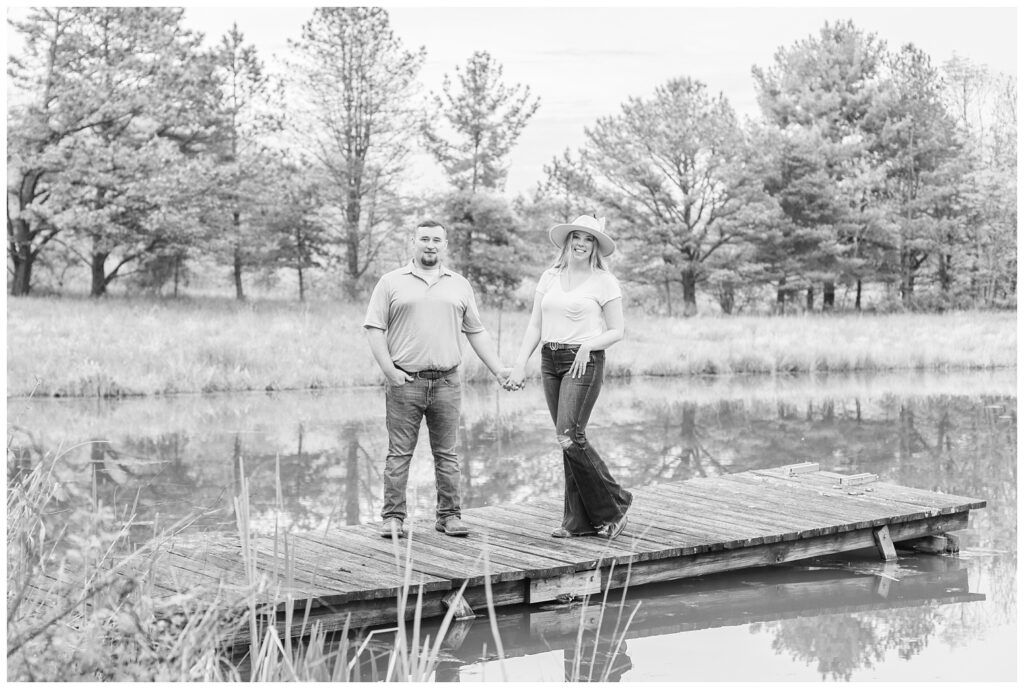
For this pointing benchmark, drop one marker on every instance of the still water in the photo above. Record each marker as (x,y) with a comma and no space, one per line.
(849,617)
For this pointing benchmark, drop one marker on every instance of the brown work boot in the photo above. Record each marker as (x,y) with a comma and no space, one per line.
(451,526)
(392,528)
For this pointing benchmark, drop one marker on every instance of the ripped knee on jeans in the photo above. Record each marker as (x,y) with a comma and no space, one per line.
(569,438)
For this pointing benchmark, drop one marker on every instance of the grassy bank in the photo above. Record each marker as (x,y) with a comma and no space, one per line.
(78,347)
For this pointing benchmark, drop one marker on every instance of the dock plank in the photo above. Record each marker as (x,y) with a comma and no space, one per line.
(830,506)
(507,559)
(696,510)
(740,511)
(546,521)
(826,511)
(944,502)
(383,572)
(879,499)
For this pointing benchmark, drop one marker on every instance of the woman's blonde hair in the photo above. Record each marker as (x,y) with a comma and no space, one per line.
(596,262)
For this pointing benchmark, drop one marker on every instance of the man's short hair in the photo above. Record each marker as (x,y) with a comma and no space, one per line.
(431,223)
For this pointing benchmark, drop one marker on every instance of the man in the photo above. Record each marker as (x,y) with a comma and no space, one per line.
(413,323)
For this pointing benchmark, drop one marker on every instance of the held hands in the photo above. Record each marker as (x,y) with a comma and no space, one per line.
(513,378)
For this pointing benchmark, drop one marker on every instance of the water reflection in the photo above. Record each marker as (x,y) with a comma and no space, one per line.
(839,615)
(314,460)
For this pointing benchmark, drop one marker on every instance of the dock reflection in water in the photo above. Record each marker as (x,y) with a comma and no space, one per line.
(838,615)
(321,456)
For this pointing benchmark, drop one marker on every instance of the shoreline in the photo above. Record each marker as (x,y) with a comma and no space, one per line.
(760,375)
(126,349)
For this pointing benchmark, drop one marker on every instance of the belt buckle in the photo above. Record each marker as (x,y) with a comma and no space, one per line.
(552,346)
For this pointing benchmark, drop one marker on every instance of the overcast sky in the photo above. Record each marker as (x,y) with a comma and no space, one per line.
(584,62)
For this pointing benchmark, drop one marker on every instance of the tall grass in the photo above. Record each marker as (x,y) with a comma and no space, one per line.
(80,608)
(76,347)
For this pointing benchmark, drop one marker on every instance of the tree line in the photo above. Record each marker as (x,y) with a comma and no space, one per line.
(136,153)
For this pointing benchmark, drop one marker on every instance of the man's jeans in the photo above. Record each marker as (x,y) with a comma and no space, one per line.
(592,496)
(439,402)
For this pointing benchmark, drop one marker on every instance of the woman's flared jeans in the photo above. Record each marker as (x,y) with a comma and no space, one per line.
(592,497)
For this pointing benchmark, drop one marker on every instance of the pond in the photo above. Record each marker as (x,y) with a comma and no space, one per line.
(315,459)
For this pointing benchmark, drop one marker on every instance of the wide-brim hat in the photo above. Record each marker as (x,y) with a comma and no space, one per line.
(584,223)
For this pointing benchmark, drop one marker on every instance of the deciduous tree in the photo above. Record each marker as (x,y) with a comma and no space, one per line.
(40,115)
(671,168)
(127,114)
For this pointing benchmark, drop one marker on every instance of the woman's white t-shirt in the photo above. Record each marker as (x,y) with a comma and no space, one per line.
(575,316)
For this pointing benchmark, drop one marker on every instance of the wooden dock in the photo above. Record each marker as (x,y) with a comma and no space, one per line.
(677,530)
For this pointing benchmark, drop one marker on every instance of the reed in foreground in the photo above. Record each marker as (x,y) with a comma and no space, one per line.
(143,347)
(78,609)
(83,607)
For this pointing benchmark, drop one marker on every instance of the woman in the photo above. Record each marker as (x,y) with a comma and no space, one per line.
(577,314)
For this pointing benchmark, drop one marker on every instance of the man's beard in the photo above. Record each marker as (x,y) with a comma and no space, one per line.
(428,260)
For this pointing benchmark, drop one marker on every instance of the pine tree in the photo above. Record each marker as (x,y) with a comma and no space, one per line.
(484,118)
(356,83)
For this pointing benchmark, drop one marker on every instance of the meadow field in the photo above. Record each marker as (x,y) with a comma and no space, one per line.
(114,347)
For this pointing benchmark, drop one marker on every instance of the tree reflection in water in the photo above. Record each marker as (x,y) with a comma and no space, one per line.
(840,644)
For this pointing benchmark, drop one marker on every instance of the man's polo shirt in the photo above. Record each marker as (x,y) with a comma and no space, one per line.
(423,322)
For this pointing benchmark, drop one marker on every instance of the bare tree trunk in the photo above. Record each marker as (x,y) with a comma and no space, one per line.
(828,296)
(727,296)
(300,258)
(945,272)
(689,279)
(856,304)
(239,290)
(21,284)
(20,236)
(780,297)
(906,279)
(97,265)
(353,212)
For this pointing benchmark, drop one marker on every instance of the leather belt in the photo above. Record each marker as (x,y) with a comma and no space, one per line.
(429,374)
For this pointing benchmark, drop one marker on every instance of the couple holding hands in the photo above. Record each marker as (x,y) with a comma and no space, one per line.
(413,322)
